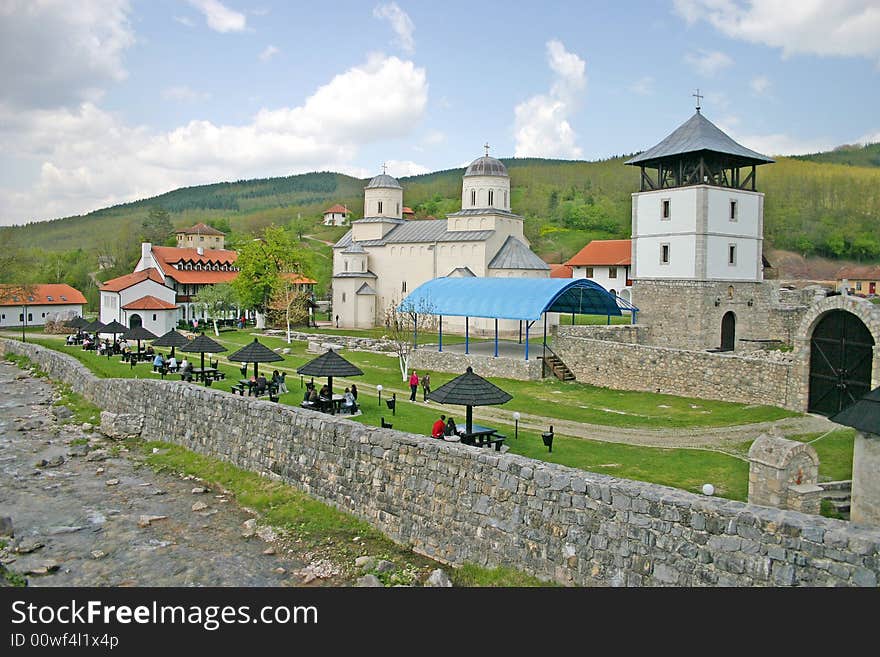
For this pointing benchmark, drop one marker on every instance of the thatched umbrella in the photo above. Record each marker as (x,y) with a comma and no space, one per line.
(863,414)
(171,339)
(255,352)
(202,345)
(138,333)
(469,390)
(77,322)
(114,328)
(329,364)
(93,327)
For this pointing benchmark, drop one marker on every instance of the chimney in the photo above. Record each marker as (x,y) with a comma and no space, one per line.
(146,256)
(200,251)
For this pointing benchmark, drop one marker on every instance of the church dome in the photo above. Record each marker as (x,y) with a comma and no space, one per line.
(383,180)
(486,166)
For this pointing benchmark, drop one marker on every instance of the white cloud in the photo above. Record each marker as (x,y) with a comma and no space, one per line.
(55,53)
(643,86)
(184,94)
(542,127)
(183,20)
(870,138)
(403,168)
(219,17)
(89,158)
(268,53)
(842,27)
(708,63)
(775,143)
(760,85)
(400,22)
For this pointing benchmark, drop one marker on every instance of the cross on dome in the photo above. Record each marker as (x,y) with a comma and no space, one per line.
(486,146)
(699,98)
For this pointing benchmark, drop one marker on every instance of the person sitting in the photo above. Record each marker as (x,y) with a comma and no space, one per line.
(451,429)
(87,343)
(354,391)
(325,392)
(172,364)
(348,402)
(158,363)
(149,350)
(185,365)
(261,385)
(186,370)
(439,427)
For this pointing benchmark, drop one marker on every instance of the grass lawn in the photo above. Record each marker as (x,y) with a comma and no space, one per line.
(593,320)
(835,452)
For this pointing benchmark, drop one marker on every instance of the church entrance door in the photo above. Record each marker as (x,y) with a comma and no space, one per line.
(841,353)
(728,331)
(134,321)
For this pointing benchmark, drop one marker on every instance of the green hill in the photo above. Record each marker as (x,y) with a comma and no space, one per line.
(857,155)
(827,208)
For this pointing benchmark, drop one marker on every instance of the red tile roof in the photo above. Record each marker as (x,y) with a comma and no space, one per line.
(200,229)
(299,278)
(407,210)
(149,302)
(124,282)
(561,271)
(863,273)
(337,208)
(43,294)
(168,256)
(603,252)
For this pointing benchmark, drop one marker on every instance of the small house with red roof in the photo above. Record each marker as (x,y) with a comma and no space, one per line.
(336,215)
(34,305)
(606,262)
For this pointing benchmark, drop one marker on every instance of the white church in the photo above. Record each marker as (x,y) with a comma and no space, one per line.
(385,256)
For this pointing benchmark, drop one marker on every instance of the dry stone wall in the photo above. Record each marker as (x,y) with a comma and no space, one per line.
(459,503)
(447,361)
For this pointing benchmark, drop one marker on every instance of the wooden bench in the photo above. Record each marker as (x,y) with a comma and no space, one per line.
(238,388)
(496,439)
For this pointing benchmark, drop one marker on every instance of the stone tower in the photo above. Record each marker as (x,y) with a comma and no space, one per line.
(697,240)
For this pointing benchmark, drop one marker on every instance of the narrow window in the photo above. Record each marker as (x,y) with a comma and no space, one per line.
(346,265)
(154,317)
(491,197)
(403,286)
(731,254)
(30,317)
(664,210)
(379,203)
(588,272)
(505,198)
(733,210)
(730,291)
(398,208)
(612,272)
(473,198)
(664,254)
(343,297)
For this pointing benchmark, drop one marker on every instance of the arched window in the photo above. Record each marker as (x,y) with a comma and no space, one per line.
(730,291)
(379,205)
(505,199)
(491,197)
(473,198)
(346,265)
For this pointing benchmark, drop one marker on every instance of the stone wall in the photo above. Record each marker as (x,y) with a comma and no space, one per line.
(486,366)
(347,341)
(459,503)
(624,333)
(722,376)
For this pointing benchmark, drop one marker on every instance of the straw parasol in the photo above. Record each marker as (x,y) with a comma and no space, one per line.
(138,333)
(171,339)
(329,364)
(863,414)
(114,328)
(255,352)
(469,390)
(203,345)
(77,322)
(93,327)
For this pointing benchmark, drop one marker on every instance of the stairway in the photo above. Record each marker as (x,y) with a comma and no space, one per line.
(839,493)
(560,370)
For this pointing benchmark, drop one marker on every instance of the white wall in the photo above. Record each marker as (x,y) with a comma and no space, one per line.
(600,276)
(10,315)
(392,202)
(482,184)
(748,254)
(156,321)
(682,211)
(682,256)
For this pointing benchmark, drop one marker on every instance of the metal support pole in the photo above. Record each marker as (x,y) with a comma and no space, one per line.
(545,337)
(496,337)
(466,336)
(520,331)
(440,335)
(527,339)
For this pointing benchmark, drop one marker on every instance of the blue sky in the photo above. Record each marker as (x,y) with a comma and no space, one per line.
(107,101)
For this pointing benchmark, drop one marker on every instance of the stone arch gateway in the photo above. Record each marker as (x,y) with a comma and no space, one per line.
(841,355)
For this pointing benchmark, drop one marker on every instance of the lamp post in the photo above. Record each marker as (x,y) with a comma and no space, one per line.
(516,417)
(379,388)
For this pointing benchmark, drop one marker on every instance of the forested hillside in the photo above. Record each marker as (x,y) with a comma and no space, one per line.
(826,204)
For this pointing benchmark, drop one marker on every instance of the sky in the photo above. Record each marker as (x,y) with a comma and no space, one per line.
(108,101)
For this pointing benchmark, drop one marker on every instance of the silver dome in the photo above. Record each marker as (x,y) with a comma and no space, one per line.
(383,180)
(486,166)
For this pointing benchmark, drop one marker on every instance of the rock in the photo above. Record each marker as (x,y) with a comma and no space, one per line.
(285,350)
(385,566)
(78,450)
(269,551)
(62,412)
(112,482)
(198,490)
(87,427)
(98,554)
(369,581)
(146,521)
(45,569)
(99,471)
(280,570)
(267,534)
(250,528)
(98,455)
(159,492)
(6,528)
(438,578)
(199,506)
(66,529)
(365,563)
(27,548)
(53,462)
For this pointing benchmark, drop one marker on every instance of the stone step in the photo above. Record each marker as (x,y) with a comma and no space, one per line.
(836,485)
(837,495)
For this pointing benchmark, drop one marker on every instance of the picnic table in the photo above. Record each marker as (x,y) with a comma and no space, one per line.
(481,436)
(326,405)
(247,384)
(204,374)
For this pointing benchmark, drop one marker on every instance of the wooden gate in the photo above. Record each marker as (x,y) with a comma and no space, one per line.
(841,353)
(728,331)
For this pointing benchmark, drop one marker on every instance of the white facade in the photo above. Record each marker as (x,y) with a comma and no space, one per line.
(700,232)
(37,315)
(112,302)
(615,279)
(157,321)
(335,219)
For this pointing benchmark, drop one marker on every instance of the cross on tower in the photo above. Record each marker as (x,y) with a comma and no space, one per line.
(384,167)
(698,97)
(486,146)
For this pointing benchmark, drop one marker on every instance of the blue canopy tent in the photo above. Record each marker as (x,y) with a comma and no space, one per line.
(523,299)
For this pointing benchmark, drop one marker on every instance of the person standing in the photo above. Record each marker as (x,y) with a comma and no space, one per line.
(426,386)
(413,385)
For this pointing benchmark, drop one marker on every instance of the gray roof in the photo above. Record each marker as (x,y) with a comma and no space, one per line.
(425,230)
(383,180)
(513,254)
(461,272)
(354,247)
(379,220)
(698,134)
(365,289)
(355,274)
(486,166)
(478,212)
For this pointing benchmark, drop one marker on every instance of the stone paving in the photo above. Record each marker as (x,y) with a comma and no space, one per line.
(86,512)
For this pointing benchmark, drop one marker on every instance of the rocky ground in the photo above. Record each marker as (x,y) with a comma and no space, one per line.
(77,509)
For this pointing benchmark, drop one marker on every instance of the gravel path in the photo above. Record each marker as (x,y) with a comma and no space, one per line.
(83,520)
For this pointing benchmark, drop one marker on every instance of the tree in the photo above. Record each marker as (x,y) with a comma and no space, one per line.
(261,261)
(156,228)
(290,298)
(298,226)
(402,321)
(214,300)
